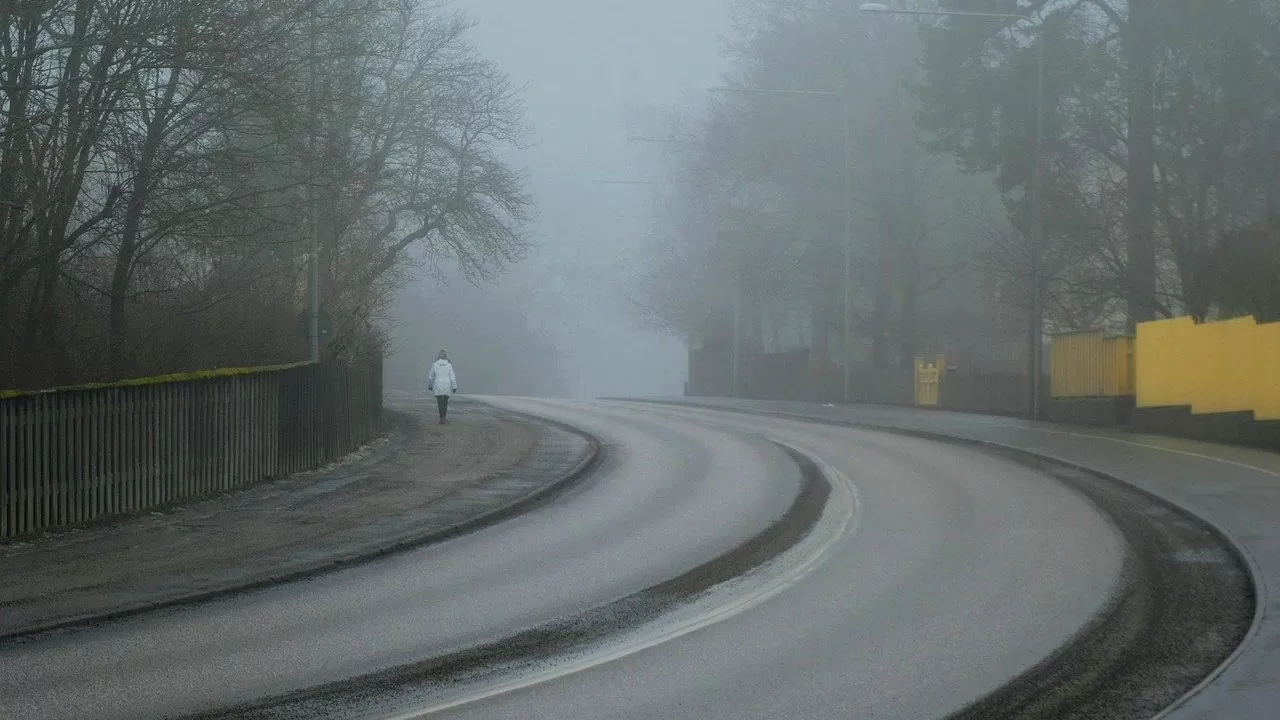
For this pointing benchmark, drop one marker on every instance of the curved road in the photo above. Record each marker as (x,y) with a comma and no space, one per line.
(964,571)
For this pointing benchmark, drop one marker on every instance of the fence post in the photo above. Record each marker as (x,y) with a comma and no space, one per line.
(7,471)
(181,429)
(237,421)
(89,401)
(59,451)
(25,485)
(129,450)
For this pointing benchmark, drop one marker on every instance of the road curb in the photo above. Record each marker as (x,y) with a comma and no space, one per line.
(1257,580)
(586,465)
(567,634)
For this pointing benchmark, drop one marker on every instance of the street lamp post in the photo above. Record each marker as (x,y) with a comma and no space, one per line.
(1037,192)
(689,333)
(734,388)
(313,223)
(846,202)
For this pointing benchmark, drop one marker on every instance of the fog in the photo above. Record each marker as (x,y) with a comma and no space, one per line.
(871,187)
(594,74)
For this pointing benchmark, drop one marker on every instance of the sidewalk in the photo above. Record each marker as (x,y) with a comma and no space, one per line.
(419,481)
(1237,489)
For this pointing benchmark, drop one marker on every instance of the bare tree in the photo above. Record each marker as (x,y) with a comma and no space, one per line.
(154,157)
(771,167)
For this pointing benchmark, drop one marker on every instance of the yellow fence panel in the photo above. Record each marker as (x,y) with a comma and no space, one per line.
(1075,364)
(929,381)
(1226,366)
(1087,364)
(1266,363)
(1158,363)
(1121,358)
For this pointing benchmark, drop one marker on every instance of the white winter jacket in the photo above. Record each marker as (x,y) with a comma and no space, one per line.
(441,379)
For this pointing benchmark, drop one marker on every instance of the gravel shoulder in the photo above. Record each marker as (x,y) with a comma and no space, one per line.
(420,482)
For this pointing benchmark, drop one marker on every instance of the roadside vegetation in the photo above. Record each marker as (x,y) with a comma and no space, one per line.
(167,165)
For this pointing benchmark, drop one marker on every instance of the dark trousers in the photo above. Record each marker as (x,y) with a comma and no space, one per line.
(442,402)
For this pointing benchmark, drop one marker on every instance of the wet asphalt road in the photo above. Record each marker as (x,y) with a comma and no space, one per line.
(964,571)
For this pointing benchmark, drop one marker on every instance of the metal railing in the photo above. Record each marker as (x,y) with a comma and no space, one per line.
(72,455)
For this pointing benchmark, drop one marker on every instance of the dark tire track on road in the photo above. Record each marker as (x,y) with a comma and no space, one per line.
(535,646)
(1186,601)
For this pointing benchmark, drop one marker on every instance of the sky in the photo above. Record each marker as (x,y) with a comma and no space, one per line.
(593,71)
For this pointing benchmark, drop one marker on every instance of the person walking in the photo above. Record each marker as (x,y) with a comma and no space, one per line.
(443,382)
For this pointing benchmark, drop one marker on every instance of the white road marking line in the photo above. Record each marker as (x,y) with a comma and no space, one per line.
(994,422)
(1149,446)
(845,501)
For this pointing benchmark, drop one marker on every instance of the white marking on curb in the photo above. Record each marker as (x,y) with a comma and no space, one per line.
(845,508)
(1201,556)
(1150,446)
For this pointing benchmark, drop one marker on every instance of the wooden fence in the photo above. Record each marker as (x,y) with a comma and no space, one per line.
(72,455)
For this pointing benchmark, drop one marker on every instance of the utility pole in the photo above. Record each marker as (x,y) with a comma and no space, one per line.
(737,330)
(690,334)
(1037,239)
(846,120)
(313,229)
(1036,319)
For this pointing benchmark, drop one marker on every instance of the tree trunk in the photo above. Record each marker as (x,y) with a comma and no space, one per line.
(819,325)
(1141,286)
(122,273)
(41,316)
(329,237)
(910,312)
(131,234)
(883,308)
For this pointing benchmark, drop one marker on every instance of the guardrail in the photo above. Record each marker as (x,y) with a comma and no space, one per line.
(71,455)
